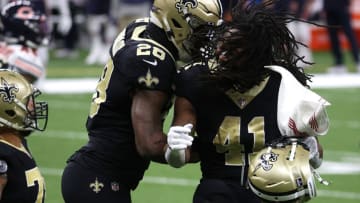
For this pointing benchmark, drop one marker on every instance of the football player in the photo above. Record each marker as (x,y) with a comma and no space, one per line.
(20,114)
(23,32)
(132,98)
(250,95)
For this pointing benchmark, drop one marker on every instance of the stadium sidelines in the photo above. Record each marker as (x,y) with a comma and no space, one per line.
(87,85)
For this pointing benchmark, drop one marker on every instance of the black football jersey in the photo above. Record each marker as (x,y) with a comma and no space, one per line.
(141,58)
(25,182)
(230,125)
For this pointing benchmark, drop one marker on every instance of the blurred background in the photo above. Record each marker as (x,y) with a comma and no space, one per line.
(81,32)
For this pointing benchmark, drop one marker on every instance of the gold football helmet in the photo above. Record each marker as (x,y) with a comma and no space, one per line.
(282,173)
(18,108)
(181,18)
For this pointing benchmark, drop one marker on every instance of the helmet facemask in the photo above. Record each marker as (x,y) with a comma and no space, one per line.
(201,43)
(188,24)
(37,117)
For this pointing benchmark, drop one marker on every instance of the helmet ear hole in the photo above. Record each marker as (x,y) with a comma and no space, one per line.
(10,112)
(176,23)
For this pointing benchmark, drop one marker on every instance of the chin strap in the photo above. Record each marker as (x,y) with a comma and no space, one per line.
(319,178)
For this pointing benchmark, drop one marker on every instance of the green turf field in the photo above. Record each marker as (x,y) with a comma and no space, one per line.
(74,68)
(162,184)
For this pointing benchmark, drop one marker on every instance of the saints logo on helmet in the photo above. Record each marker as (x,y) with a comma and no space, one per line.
(267,159)
(184,3)
(182,18)
(18,108)
(8,91)
(282,173)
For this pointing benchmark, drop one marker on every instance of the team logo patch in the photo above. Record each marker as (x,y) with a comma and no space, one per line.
(96,186)
(148,80)
(153,63)
(266,161)
(186,3)
(115,186)
(8,91)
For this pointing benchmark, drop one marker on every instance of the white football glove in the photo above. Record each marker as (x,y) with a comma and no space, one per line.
(311,143)
(178,139)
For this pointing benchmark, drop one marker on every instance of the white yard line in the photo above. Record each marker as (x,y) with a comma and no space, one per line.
(336,80)
(87,85)
(72,85)
(339,167)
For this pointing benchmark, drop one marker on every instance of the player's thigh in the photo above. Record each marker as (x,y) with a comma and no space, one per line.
(213,191)
(81,185)
(218,191)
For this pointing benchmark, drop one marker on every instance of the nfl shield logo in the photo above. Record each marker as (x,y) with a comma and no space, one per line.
(115,186)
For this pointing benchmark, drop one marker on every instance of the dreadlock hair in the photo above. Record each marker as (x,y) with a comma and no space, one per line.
(257,36)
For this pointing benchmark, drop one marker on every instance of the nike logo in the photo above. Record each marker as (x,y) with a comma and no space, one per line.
(153,63)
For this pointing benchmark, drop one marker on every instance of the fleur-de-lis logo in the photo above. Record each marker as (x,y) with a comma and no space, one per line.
(148,80)
(266,161)
(8,91)
(96,186)
(185,3)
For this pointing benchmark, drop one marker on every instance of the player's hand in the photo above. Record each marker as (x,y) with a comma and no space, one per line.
(179,137)
(315,158)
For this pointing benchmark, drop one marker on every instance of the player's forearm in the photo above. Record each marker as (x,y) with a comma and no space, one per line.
(3,181)
(152,147)
(157,153)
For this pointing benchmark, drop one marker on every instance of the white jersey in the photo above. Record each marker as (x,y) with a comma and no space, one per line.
(300,110)
(22,59)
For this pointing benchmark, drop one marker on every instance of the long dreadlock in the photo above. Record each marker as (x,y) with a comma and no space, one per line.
(257,36)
